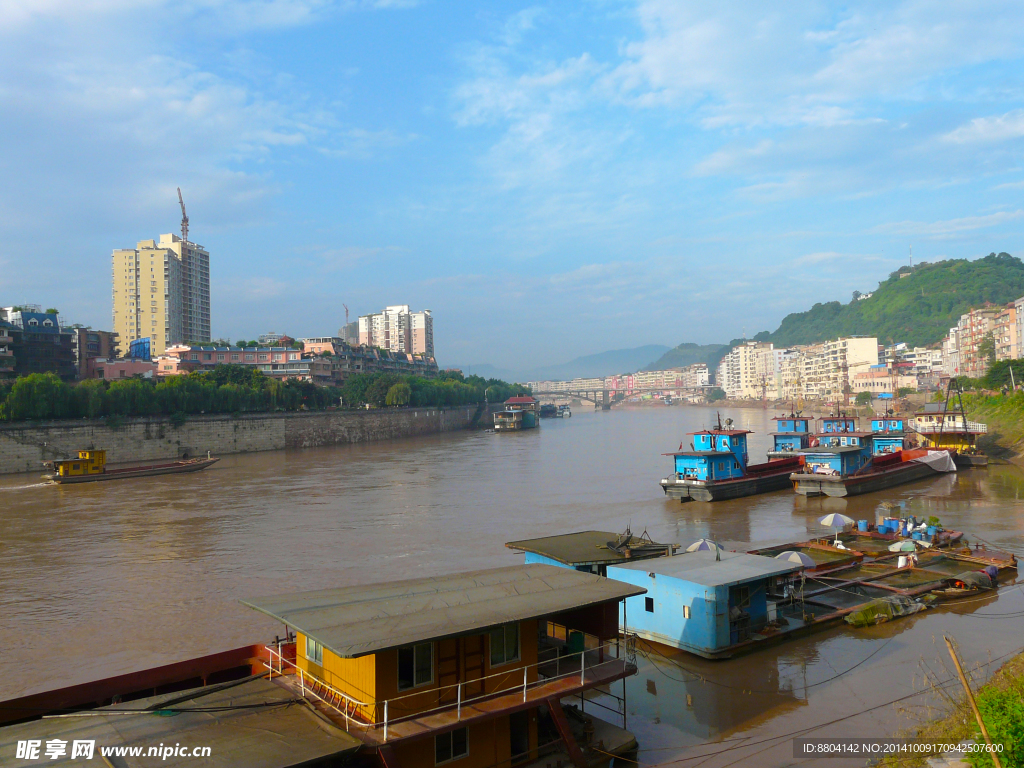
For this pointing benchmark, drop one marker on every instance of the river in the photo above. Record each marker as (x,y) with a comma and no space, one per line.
(106,578)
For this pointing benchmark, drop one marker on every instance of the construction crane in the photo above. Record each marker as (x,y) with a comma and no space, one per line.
(346,313)
(184,218)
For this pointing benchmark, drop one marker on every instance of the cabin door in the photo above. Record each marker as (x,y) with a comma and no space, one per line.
(473,648)
(448,670)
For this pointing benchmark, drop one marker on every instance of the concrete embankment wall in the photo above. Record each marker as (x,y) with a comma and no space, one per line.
(24,445)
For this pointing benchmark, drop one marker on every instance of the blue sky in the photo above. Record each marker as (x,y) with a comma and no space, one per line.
(550,179)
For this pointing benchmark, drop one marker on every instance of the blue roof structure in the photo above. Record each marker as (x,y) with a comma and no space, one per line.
(43,322)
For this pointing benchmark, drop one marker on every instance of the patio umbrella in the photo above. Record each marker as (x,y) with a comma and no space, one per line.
(796,557)
(837,521)
(704,544)
(907,545)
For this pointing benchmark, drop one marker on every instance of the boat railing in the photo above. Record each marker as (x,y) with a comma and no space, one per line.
(959,425)
(351,708)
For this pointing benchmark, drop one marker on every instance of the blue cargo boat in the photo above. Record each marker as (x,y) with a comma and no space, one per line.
(843,460)
(716,467)
(792,435)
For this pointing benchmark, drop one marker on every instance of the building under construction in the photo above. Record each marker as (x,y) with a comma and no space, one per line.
(161,291)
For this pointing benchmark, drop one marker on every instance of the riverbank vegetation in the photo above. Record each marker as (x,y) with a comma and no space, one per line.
(225,389)
(449,388)
(233,389)
(1001,703)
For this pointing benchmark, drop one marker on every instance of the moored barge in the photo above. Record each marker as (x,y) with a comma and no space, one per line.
(945,426)
(716,468)
(847,461)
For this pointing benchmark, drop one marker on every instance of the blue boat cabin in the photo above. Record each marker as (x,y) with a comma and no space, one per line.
(838,424)
(718,454)
(793,433)
(840,460)
(702,603)
(887,435)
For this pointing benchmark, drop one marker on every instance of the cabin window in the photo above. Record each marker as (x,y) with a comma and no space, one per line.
(314,651)
(842,441)
(649,604)
(686,611)
(504,644)
(741,597)
(415,666)
(853,441)
(450,746)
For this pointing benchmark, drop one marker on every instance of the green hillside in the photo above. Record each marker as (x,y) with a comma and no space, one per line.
(917,307)
(690,354)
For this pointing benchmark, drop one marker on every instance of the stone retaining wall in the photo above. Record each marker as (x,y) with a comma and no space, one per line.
(24,445)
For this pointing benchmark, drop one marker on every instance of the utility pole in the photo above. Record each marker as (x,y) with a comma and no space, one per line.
(974,705)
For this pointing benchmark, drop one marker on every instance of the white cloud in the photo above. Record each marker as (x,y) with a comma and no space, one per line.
(741,65)
(989,129)
(948,227)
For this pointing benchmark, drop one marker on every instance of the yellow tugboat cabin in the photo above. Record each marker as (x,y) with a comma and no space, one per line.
(87,463)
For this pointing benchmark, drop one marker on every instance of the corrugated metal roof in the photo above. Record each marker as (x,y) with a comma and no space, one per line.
(585,548)
(703,568)
(251,724)
(833,449)
(699,453)
(355,621)
(729,432)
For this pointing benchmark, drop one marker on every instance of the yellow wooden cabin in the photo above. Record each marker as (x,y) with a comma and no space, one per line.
(87,463)
(465,669)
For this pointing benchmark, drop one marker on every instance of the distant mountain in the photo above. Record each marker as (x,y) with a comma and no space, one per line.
(601,364)
(690,354)
(916,306)
(588,366)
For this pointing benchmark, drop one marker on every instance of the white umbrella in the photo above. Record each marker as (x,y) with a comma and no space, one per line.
(907,545)
(704,544)
(796,557)
(837,521)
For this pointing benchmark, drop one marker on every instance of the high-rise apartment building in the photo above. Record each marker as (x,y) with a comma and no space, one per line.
(161,291)
(399,330)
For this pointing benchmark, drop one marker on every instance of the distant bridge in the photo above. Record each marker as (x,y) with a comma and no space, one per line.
(603,397)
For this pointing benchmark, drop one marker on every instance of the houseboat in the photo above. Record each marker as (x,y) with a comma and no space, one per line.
(716,467)
(470,667)
(792,435)
(846,461)
(946,427)
(591,551)
(548,411)
(91,466)
(718,604)
(521,412)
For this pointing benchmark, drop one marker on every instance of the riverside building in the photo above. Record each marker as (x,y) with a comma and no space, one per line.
(399,330)
(161,291)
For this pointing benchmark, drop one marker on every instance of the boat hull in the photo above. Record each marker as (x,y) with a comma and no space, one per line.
(963,460)
(855,485)
(696,490)
(173,468)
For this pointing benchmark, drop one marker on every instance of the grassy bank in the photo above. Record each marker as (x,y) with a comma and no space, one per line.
(1004,415)
(1001,702)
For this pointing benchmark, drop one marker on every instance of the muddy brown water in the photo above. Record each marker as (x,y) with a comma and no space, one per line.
(105,578)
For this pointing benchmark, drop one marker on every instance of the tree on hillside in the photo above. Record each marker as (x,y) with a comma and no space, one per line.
(863,398)
(987,348)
